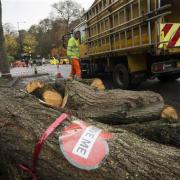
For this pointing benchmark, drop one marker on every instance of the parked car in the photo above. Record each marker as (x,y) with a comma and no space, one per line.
(54,61)
(18,63)
(64,61)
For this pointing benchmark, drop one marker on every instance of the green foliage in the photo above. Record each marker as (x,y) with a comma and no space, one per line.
(29,42)
(11,45)
(42,38)
(10,59)
(49,34)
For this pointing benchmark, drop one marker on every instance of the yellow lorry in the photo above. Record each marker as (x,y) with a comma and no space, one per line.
(132,39)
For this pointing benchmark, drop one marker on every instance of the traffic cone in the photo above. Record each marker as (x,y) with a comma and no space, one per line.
(58,75)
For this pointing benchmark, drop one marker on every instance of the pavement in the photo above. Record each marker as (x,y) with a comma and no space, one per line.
(46,73)
(50,69)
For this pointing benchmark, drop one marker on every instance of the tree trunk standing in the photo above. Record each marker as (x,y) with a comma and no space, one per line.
(4,67)
(114,106)
(23,120)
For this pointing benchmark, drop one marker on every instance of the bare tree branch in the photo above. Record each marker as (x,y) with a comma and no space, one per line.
(68,10)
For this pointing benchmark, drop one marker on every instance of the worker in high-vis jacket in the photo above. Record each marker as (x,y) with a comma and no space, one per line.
(74,55)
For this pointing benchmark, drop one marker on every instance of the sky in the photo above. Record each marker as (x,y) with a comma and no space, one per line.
(29,12)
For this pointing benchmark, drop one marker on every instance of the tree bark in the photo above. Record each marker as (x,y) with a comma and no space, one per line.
(114,106)
(160,131)
(23,120)
(4,67)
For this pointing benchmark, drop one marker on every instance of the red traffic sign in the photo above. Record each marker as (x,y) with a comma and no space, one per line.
(84,146)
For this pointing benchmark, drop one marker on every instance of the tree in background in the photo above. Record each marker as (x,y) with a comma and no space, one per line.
(49,33)
(11,42)
(4,67)
(68,11)
(29,42)
(46,36)
(45,25)
(11,45)
(9,29)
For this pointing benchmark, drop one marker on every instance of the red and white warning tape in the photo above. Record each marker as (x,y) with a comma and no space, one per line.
(38,147)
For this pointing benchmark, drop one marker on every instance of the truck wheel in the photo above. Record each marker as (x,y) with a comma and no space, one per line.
(169,78)
(121,77)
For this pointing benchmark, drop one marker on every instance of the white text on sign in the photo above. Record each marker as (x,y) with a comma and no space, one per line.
(86,142)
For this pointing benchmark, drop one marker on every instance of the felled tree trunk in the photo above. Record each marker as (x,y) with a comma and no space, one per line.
(114,106)
(160,131)
(23,120)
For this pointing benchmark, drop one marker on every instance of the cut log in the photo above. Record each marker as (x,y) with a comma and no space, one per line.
(170,114)
(98,84)
(52,98)
(113,106)
(23,120)
(33,85)
(45,92)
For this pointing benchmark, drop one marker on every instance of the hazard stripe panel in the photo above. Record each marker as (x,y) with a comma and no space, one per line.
(170,35)
(167,28)
(175,39)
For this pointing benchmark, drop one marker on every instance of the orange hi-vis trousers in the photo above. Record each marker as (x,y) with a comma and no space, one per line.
(76,68)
